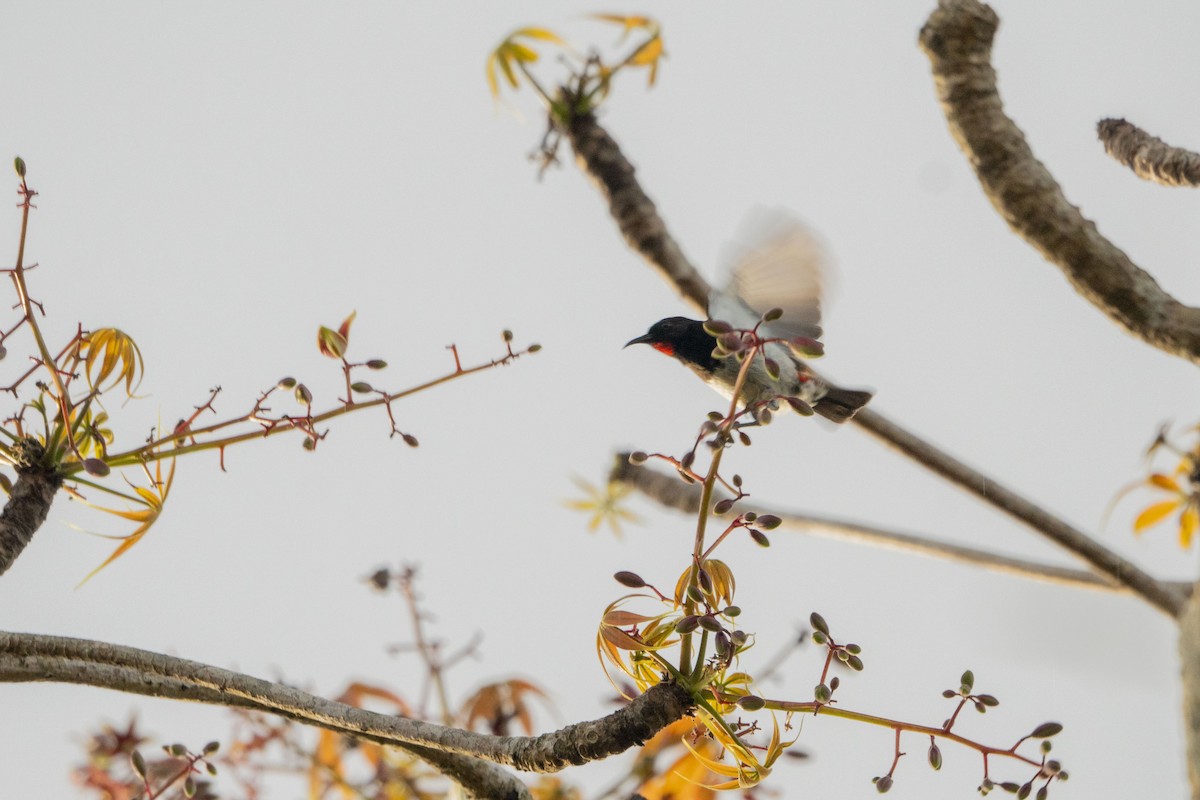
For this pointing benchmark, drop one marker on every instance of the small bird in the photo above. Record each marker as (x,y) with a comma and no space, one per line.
(777,275)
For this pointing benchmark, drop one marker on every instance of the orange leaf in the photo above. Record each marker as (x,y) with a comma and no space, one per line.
(625,618)
(1154,515)
(621,639)
(1189,520)
(1164,482)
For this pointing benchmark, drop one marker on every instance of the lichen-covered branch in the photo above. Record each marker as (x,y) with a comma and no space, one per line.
(26,509)
(957,38)
(33,657)
(1149,157)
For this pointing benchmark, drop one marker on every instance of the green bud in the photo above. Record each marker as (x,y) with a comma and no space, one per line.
(189,787)
(410,440)
(751,702)
(855,663)
(882,785)
(968,681)
(1046,730)
(303,395)
(822,693)
(138,762)
(177,750)
(286,383)
(732,611)
(819,638)
(361,387)
(507,335)
(818,623)
(935,756)
(759,538)
(722,507)
(19,166)
(772,315)
(211,748)
(768,522)
(715,327)
(687,624)
(710,624)
(853,649)
(376,363)
(533,348)
(772,368)
(637,458)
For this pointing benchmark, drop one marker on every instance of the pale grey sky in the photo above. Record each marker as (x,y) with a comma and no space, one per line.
(220,181)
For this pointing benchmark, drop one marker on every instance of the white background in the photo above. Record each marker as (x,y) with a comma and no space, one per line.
(220,180)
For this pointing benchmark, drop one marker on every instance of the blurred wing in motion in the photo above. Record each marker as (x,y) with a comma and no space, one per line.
(775,262)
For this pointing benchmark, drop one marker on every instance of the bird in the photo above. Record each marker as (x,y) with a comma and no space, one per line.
(774,290)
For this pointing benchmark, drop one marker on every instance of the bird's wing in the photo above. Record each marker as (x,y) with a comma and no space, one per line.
(775,262)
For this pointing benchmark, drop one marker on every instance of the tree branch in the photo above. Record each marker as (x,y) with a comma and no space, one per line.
(957,38)
(28,503)
(28,657)
(667,490)
(601,159)
(1149,157)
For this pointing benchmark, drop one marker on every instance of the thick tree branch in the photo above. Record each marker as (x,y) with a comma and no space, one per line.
(33,657)
(957,38)
(600,158)
(605,160)
(666,489)
(1149,157)
(28,504)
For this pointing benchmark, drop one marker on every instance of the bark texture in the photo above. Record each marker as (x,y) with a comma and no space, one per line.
(957,38)
(27,505)
(1149,157)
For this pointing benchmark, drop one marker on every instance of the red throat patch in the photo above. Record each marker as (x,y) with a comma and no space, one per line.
(666,348)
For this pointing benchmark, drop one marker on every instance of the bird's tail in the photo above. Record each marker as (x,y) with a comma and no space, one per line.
(839,405)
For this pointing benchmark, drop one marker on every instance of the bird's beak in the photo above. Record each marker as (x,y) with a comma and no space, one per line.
(645,338)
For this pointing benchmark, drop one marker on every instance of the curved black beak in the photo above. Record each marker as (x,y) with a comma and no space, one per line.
(645,338)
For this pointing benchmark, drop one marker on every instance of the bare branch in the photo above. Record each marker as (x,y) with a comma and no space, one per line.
(671,492)
(957,38)
(28,657)
(1149,157)
(1102,560)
